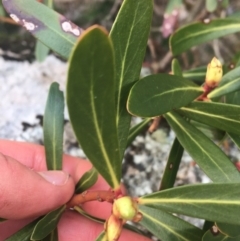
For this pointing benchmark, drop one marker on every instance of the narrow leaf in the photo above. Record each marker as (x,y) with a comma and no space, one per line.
(167,227)
(87,215)
(230,230)
(196,75)
(172,5)
(219,202)
(201,32)
(23,234)
(211,5)
(91,102)
(222,116)
(51,28)
(176,152)
(41,51)
(134,131)
(209,131)
(49,3)
(1,10)
(176,68)
(101,237)
(53,236)
(157,94)
(207,225)
(174,159)
(53,127)
(229,83)
(87,180)
(233,98)
(235,138)
(129,35)
(212,235)
(212,160)
(47,224)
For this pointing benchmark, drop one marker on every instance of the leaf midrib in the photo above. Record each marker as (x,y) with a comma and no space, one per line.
(100,140)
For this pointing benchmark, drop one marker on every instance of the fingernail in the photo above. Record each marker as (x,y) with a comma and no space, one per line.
(57,178)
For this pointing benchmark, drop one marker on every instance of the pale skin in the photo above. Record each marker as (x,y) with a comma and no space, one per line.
(25,194)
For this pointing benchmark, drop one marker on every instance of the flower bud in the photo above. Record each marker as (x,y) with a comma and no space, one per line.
(113,228)
(125,208)
(214,73)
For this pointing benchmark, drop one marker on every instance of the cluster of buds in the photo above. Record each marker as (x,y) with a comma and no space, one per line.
(124,209)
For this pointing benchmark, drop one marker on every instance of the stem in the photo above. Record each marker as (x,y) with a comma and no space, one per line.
(207,90)
(8,20)
(87,196)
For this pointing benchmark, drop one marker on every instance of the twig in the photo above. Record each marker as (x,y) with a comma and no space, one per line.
(8,20)
(87,196)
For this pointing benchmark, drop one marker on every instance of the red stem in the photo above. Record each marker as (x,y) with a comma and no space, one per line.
(87,196)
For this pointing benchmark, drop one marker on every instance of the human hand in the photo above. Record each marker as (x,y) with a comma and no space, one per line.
(24,193)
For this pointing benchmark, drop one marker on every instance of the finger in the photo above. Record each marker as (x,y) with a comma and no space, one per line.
(26,193)
(7,228)
(75,227)
(33,156)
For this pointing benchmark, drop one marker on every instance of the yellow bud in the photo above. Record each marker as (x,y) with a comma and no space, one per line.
(113,228)
(214,73)
(125,208)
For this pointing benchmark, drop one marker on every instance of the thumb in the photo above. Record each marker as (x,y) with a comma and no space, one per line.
(26,193)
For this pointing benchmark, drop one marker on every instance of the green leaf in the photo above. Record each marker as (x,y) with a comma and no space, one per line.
(167,227)
(212,235)
(1,10)
(91,102)
(87,215)
(225,3)
(53,127)
(155,95)
(230,230)
(41,51)
(197,33)
(172,5)
(23,234)
(211,132)
(87,180)
(233,98)
(229,83)
(197,74)
(174,159)
(176,68)
(51,28)
(211,159)
(222,116)
(211,5)
(134,131)
(235,138)
(53,236)
(129,35)
(47,224)
(49,3)
(101,237)
(219,202)
(207,225)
